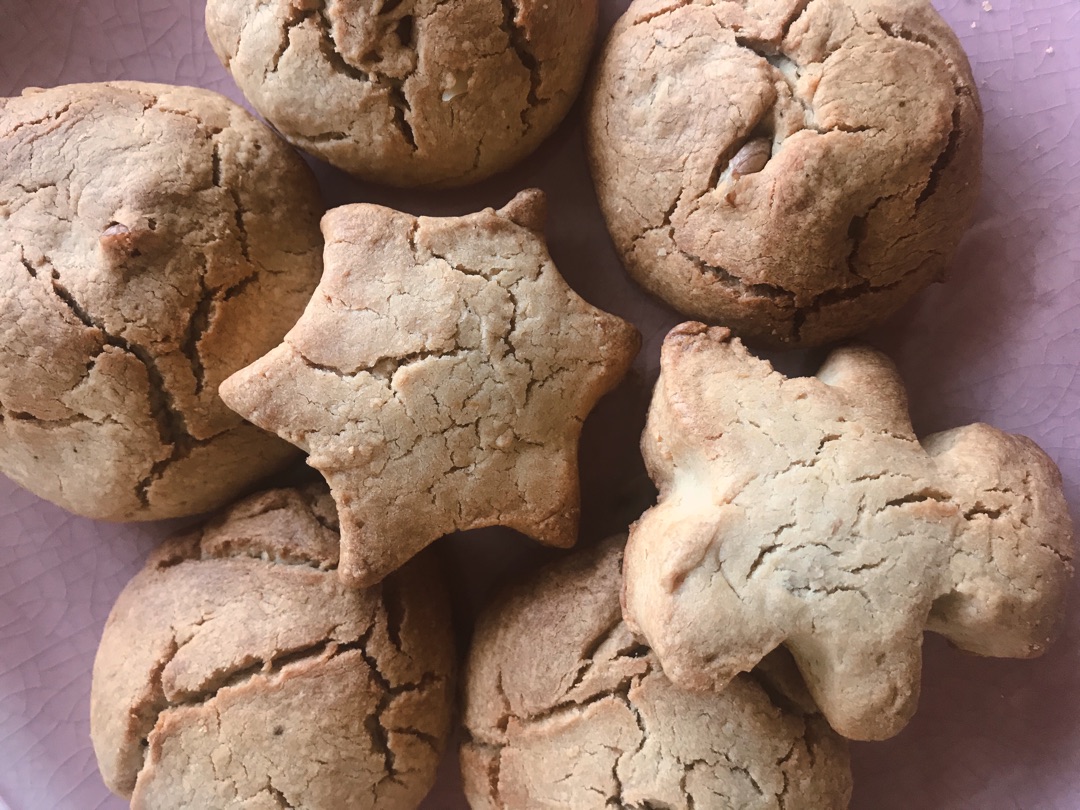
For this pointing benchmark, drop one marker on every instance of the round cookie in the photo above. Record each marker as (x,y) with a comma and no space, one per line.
(236,671)
(795,171)
(408,92)
(564,708)
(153,240)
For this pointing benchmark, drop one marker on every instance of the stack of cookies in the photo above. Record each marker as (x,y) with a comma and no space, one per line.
(179,325)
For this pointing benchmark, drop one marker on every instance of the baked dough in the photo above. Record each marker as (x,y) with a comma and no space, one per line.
(806,512)
(153,240)
(793,170)
(439,380)
(565,709)
(237,671)
(408,92)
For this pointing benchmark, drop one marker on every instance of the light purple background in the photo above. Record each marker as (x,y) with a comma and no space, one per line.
(999,342)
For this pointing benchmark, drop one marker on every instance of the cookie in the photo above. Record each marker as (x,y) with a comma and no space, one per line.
(793,170)
(153,240)
(565,709)
(236,670)
(806,512)
(408,92)
(439,379)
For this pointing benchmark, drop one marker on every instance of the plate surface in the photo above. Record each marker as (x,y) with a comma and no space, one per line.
(999,342)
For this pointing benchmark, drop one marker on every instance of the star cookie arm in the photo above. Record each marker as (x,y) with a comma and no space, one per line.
(272,393)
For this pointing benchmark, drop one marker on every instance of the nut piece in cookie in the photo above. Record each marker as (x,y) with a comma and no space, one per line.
(408,92)
(793,170)
(238,671)
(806,512)
(439,380)
(565,709)
(153,240)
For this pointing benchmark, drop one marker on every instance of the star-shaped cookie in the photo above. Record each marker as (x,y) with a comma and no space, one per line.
(806,512)
(438,379)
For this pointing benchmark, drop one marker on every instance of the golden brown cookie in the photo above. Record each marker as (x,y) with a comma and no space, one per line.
(806,512)
(238,671)
(565,709)
(408,92)
(793,170)
(439,380)
(153,240)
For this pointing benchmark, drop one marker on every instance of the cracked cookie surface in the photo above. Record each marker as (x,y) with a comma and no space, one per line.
(439,380)
(408,92)
(238,671)
(153,240)
(792,169)
(565,708)
(806,512)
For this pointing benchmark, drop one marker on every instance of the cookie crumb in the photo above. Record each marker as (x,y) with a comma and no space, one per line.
(116,229)
(1050,49)
(986,6)
(456,84)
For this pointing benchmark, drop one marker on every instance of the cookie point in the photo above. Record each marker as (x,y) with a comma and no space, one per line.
(528,209)
(231,392)
(690,329)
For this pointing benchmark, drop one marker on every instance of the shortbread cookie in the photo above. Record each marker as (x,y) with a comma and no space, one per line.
(238,671)
(565,709)
(153,240)
(439,379)
(408,92)
(793,170)
(806,512)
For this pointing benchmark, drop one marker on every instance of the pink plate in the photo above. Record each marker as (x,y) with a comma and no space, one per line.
(998,342)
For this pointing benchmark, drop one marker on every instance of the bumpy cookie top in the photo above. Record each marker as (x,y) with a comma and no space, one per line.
(794,170)
(153,240)
(236,670)
(408,92)
(806,512)
(439,380)
(565,709)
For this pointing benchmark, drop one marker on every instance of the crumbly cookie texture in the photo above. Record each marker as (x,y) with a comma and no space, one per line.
(238,671)
(153,240)
(805,512)
(564,708)
(439,379)
(793,170)
(408,92)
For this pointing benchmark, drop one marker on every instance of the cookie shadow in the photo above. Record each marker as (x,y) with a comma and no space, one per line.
(975,716)
(992,734)
(954,329)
